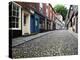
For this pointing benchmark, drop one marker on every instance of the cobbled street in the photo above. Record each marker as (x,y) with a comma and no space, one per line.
(55,43)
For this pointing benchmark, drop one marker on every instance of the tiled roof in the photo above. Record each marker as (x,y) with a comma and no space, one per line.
(25,5)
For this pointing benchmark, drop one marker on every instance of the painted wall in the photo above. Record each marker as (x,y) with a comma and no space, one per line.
(20,18)
(16,32)
(26,28)
(59,25)
(37,19)
(32,24)
(34,27)
(52,25)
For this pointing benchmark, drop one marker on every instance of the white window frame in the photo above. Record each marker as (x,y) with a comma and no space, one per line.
(19,17)
(50,15)
(47,12)
(41,5)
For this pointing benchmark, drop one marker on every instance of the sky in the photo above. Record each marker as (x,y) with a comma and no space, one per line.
(66,5)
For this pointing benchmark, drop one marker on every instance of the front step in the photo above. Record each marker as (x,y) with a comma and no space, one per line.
(26,34)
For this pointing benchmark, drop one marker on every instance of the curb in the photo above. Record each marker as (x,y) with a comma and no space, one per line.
(29,39)
(74,34)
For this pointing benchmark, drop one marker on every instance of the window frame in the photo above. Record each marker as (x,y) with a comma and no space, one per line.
(47,12)
(17,17)
(24,20)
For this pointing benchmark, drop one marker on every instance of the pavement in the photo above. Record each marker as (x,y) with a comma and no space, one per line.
(53,43)
(74,34)
(20,40)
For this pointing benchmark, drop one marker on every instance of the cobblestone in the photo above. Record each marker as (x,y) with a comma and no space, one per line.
(56,43)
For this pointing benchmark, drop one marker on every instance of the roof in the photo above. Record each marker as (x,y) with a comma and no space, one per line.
(52,8)
(27,6)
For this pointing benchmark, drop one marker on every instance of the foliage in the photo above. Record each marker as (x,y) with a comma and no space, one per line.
(62,10)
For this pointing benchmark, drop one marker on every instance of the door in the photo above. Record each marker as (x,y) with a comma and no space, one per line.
(36,25)
(32,24)
(25,24)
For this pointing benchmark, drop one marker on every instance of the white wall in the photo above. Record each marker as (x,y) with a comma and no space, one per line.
(59,25)
(20,18)
(26,28)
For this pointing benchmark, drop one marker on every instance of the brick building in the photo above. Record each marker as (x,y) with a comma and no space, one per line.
(26,18)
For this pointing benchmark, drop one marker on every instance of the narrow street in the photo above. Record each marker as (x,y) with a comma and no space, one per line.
(55,43)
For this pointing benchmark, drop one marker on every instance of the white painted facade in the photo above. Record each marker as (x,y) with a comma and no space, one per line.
(20,18)
(26,27)
(59,21)
(51,25)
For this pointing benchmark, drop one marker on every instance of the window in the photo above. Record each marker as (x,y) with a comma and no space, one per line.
(41,5)
(47,12)
(50,15)
(10,9)
(73,20)
(13,15)
(36,22)
(24,20)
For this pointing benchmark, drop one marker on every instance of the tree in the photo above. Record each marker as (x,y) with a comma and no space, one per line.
(62,10)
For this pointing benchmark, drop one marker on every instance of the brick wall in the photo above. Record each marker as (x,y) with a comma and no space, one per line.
(36,6)
(44,8)
(29,5)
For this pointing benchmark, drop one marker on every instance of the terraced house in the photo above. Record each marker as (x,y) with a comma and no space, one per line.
(60,24)
(72,18)
(47,20)
(27,18)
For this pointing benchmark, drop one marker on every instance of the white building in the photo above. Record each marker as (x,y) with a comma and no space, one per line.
(60,24)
